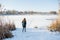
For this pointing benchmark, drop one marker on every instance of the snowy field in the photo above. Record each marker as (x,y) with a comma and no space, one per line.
(40,21)
(34,34)
(32,20)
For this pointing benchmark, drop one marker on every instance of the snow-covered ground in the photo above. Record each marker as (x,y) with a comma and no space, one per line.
(34,34)
(40,21)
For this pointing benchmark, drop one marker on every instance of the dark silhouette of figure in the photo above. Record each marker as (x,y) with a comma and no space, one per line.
(24,24)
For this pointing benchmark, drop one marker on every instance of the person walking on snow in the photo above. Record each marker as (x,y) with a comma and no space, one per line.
(24,24)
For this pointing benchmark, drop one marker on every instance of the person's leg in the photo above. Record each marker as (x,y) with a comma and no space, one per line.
(23,29)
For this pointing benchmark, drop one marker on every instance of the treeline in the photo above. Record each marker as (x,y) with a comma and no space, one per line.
(4,11)
(14,12)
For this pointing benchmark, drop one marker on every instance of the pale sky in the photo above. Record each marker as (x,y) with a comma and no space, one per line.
(30,5)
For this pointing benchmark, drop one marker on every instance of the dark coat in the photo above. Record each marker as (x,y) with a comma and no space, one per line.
(24,23)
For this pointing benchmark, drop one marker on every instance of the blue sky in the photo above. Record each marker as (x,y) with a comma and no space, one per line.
(30,5)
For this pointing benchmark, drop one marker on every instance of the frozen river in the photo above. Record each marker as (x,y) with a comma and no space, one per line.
(32,20)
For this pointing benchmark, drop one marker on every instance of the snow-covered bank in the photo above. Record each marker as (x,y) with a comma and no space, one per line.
(31,34)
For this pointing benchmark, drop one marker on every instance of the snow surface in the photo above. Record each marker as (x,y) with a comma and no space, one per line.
(34,34)
(32,20)
(40,21)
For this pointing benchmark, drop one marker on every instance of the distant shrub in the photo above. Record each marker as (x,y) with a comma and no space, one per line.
(35,27)
(5,30)
(5,33)
(10,26)
(55,26)
(8,35)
